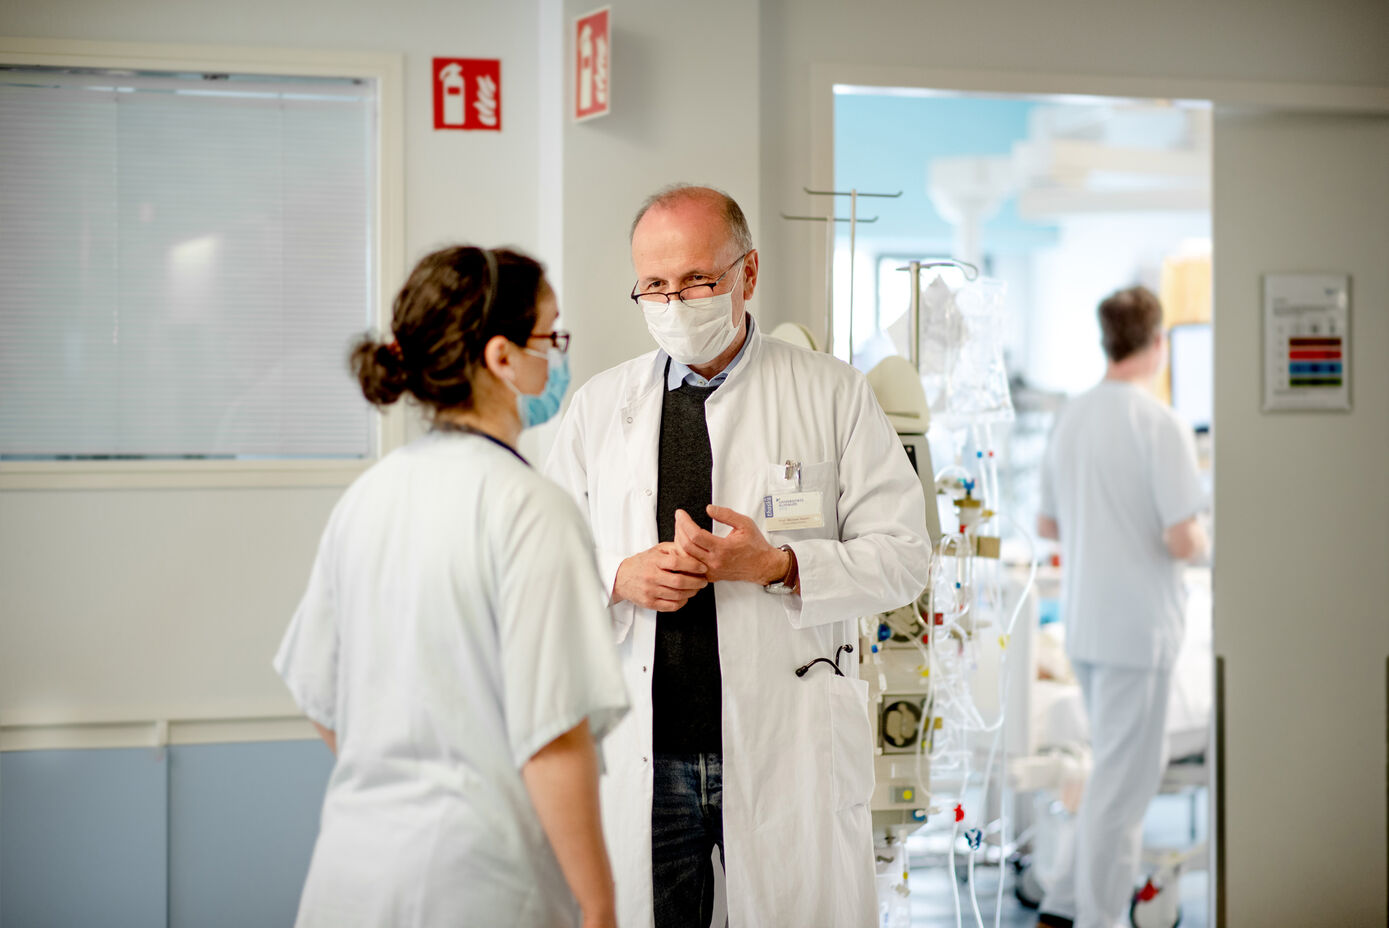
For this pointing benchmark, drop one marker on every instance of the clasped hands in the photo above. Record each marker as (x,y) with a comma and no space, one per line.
(665,576)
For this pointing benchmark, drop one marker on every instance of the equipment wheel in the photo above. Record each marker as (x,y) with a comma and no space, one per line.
(1026,886)
(1156,906)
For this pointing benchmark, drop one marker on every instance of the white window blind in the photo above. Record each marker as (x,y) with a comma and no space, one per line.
(184,260)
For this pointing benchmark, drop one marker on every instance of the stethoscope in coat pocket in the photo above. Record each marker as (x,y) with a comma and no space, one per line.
(834,664)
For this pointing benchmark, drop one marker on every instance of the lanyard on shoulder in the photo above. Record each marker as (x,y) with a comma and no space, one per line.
(469,430)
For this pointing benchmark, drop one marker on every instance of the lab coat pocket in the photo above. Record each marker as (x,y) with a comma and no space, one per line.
(799,506)
(851,741)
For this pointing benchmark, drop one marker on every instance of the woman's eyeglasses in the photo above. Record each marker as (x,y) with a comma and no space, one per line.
(559,338)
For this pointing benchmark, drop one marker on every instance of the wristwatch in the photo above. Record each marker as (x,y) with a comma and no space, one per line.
(787,584)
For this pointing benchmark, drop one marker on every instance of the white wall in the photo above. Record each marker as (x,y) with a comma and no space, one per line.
(134,577)
(1302,507)
(683,110)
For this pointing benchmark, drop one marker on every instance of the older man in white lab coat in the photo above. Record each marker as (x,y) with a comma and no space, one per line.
(749,501)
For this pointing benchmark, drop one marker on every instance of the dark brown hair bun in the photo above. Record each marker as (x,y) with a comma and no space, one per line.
(455,301)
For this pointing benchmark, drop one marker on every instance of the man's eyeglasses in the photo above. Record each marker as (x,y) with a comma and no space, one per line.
(692,292)
(559,338)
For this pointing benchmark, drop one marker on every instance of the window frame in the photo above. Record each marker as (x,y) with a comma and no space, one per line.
(387,236)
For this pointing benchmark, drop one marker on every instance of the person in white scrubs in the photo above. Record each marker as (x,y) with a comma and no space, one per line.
(750,501)
(1122,493)
(454,646)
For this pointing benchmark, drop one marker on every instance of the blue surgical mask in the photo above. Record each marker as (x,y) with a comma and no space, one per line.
(541,407)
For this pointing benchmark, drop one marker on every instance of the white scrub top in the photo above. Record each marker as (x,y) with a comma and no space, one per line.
(1119,470)
(454,624)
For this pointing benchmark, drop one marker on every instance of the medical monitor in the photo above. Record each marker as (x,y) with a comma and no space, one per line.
(1192,363)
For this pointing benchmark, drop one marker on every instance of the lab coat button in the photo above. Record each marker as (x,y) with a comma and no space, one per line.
(648,492)
(629,420)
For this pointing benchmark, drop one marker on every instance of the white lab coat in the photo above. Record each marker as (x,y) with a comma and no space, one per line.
(453,626)
(797,752)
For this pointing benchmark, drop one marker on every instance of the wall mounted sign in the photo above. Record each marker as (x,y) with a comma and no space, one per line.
(592,64)
(468,93)
(1306,341)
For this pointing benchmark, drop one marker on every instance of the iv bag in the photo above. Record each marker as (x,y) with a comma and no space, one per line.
(962,367)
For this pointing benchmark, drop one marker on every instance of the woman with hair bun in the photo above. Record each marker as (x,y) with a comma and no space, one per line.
(453,647)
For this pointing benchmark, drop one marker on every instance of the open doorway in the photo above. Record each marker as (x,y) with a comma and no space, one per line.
(1055,202)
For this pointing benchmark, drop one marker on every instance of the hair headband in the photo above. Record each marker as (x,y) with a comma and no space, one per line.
(491,281)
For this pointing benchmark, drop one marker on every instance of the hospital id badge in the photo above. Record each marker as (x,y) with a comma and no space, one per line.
(786,512)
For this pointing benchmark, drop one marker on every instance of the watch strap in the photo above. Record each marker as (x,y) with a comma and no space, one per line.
(786,584)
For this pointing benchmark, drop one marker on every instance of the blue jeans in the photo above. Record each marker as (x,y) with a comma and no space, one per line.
(686,826)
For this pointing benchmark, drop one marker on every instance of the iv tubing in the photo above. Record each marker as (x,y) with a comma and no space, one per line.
(1005,820)
(1003,677)
(973,892)
(954,883)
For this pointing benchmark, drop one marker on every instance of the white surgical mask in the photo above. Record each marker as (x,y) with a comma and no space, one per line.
(693,331)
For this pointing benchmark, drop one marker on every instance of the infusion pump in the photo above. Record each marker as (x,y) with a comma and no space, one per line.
(894,659)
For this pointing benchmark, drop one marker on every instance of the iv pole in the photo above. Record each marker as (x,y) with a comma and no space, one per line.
(914,268)
(853,194)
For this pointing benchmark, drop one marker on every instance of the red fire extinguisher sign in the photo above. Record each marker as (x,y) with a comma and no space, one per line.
(593,64)
(468,93)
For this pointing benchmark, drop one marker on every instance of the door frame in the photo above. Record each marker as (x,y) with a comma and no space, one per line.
(1224,96)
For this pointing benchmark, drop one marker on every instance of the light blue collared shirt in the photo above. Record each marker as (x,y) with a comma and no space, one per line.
(681,373)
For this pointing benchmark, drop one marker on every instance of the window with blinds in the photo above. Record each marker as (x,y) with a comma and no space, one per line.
(184,261)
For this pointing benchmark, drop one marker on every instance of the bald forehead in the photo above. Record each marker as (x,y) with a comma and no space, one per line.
(703,210)
(693,218)
(681,242)
(725,204)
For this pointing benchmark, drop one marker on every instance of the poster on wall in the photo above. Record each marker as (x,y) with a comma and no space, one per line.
(592,64)
(1306,341)
(468,94)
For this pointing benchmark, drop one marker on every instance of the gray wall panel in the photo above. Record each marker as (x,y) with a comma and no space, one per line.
(243,819)
(83,838)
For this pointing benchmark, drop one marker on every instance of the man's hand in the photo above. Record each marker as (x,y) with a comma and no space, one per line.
(744,554)
(660,578)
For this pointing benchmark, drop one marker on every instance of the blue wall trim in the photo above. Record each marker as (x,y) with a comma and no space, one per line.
(192,835)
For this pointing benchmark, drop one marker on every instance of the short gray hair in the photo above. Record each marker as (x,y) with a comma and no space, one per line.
(732,214)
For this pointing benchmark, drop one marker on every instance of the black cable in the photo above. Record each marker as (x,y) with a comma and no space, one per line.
(801,671)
